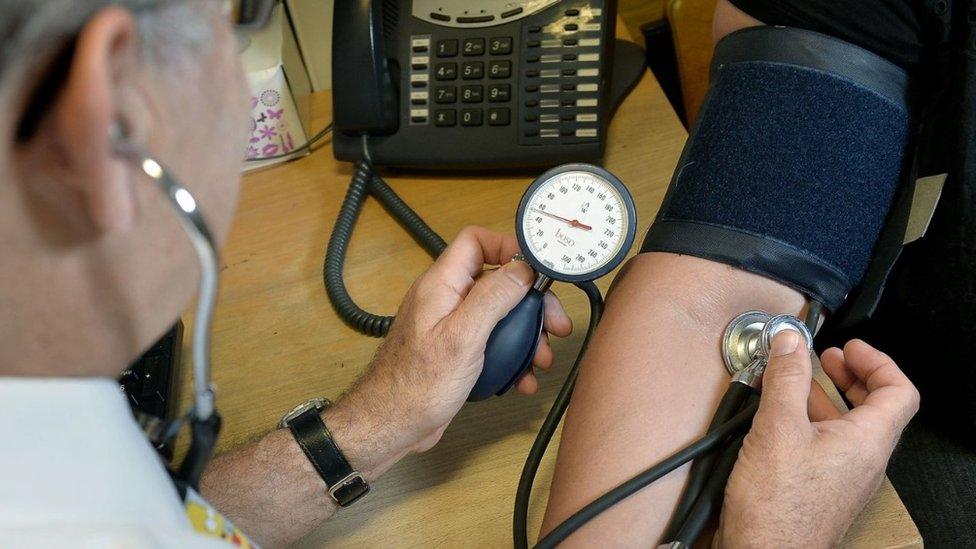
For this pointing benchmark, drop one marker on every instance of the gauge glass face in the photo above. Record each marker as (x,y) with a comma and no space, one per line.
(575,223)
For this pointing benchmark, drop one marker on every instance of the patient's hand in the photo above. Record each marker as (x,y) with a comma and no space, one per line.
(806,469)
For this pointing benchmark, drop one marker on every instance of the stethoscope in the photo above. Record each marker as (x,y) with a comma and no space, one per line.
(203,418)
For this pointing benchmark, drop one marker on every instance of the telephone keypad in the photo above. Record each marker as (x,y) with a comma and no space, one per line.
(445,94)
(500,45)
(472,94)
(471,117)
(499,93)
(472,70)
(499,117)
(499,69)
(473,46)
(447,48)
(445,117)
(446,71)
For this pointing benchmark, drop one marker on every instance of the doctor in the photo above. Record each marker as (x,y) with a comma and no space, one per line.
(95,267)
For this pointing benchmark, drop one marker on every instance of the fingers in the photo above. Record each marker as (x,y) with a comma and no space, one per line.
(492,297)
(833,364)
(890,400)
(467,255)
(786,382)
(543,353)
(820,407)
(556,322)
(528,384)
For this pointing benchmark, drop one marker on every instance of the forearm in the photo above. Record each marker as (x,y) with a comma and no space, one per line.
(648,386)
(269,488)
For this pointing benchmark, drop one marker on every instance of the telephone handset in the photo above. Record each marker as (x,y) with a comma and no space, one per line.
(473,83)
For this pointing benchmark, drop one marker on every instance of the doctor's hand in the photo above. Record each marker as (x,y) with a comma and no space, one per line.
(807,469)
(433,355)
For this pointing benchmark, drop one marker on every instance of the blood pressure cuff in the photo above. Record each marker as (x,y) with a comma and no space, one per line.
(793,163)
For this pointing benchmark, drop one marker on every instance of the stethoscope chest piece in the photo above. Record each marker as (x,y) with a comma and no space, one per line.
(749,336)
(740,342)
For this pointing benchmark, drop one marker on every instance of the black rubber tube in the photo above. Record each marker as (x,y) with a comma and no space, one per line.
(730,404)
(520,525)
(705,444)
(365,182)
(710,499)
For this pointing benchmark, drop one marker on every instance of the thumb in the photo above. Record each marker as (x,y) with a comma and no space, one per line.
(786,382)
(493,296)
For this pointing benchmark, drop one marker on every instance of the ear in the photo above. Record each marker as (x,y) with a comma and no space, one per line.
(88,112)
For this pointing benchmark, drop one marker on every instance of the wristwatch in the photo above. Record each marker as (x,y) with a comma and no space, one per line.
(346,485)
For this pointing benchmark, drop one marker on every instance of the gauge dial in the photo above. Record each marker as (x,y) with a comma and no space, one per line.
(576,222)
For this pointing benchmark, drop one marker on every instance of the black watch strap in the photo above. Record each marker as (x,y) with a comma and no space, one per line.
(346,485)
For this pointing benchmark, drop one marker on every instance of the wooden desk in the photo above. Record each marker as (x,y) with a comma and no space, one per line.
(277,342)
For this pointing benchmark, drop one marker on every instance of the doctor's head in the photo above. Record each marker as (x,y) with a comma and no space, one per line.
(94,265)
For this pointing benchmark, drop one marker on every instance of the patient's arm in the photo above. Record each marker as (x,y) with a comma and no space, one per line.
(648,386)
(652,378)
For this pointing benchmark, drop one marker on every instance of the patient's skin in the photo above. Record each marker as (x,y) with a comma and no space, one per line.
(648,386)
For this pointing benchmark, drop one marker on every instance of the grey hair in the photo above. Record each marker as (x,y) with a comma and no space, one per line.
(33,30)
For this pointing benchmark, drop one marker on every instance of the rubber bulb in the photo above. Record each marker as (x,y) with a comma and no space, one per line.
(511,347)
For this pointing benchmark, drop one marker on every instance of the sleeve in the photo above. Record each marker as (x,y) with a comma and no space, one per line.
(889,28)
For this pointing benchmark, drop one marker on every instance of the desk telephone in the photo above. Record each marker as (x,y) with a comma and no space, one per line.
(476,83)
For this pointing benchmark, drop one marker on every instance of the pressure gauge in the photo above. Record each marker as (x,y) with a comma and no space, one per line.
(576,222)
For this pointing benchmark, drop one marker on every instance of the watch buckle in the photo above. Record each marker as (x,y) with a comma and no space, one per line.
(348,481)
(313,404)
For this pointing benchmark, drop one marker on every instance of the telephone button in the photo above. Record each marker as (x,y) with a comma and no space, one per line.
(533,43)
(500,45)
(445,94)
(535,29)
(569,87)
(531,103)
(472,117)
(499,69)
(499,117)
(532,89)
(476,19)
(447,48)
(511,13)
(572,12)
(571,27)
(445,117)
(499,93)
(439,16)
(473,46)
(532,118)
(472,94)
(473,70)
(446,71)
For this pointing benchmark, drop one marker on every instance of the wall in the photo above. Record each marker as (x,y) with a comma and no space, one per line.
(313,27)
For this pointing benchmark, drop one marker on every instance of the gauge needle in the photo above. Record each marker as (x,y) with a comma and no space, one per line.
(570,222)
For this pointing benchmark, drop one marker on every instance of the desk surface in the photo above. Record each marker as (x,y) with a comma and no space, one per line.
(277,342)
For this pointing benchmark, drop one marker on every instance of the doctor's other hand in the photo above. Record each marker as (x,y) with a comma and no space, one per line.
(423,372)
(807,469)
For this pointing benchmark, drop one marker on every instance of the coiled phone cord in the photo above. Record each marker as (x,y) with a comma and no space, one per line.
(366,182)
(551,423)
